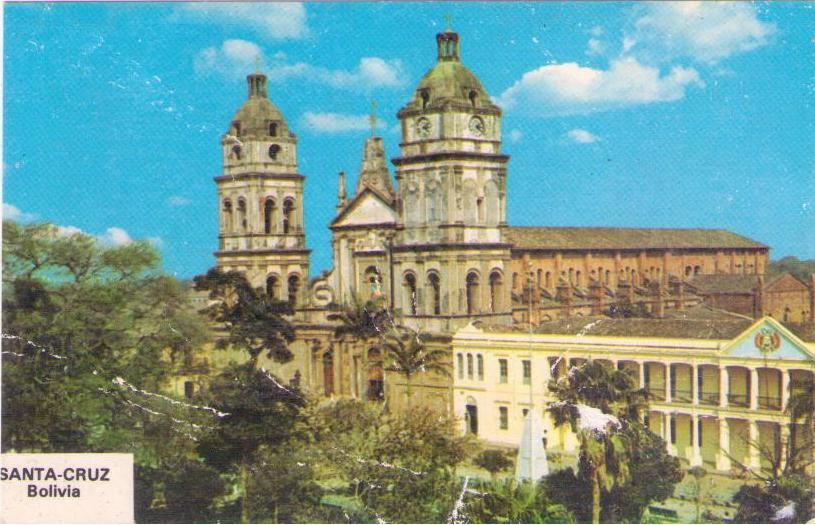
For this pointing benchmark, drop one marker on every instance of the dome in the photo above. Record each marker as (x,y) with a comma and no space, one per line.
(258,116)
(450,83)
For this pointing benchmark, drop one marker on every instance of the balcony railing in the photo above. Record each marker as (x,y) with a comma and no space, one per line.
(738,400)
(656,393)
(681,396)
(769,402)
(709,398)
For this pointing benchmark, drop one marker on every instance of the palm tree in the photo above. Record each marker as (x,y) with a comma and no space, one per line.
(407,353)
(363,319)
(597,402)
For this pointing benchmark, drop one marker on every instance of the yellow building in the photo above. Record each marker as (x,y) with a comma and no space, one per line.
(718,382)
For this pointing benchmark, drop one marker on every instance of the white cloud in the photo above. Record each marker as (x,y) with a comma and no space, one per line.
(703,31)
(67,231)
(177,200)
(115,236)
(515,135)
(581,136)
(279,20)
(11,212)
(338,122)
(567,89)
(235,58)
(595,47)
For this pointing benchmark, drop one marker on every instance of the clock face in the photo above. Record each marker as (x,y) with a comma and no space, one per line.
(423,127)
(477,126)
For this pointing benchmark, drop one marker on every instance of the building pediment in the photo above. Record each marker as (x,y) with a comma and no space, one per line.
(367,208)
(786,282)
(768,339)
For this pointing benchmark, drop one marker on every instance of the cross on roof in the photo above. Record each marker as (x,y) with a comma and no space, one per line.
(449,19)
(372,118)
(257,62)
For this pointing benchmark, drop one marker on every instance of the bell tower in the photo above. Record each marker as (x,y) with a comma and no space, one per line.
(451,197)
(260,199)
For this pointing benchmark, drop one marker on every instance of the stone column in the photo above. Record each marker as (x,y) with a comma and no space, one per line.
(785,388)
(754,389)
(696,451)
(724,386)
(752,446)
(667,382)
(694,383)
(722,458)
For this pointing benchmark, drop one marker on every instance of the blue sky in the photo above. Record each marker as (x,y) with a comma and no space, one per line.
(645,115)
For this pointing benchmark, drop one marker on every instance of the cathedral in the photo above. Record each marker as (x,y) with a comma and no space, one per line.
(434,238)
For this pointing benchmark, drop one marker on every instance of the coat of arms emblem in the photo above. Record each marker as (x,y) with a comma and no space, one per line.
(767,340)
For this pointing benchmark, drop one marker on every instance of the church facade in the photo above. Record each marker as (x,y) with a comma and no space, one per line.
(434,238)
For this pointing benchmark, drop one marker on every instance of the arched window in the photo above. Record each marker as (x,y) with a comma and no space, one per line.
(227,227)
(548,279)
(571,276)
(540,278)
(578,278)
(433,198)
(688,271)
(787,313)
(460,363)
(412,207)
(425,94)
(496,291)
(480,360)
(473,96)
(294,287)
(634,277)
(273,287)
(600,274)
(434,283)
(469,366)
(236,152)
(697,270)
(373,281)
(608,276)
(328,373)
(268,215)
(288,211)
(272,129)
(244,225)
(411,300)
(473,291)
(515,282)
(274,149)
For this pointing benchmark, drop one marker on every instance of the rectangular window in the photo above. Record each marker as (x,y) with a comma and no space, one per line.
(673,430)
(503,413)
(189,389)
(460,363)
(469,366)
(527,371)
(525,411)
(480,367)
(503,371)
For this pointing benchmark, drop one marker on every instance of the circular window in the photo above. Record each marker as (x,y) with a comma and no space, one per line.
(274,149)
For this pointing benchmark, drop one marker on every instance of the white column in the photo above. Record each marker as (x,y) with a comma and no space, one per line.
(785,438)
(667,382)
(668,445)
(752,446)
(722,458)
(694,383)
(724,385)
(754,389)
(785,388)
(696,452)
(642,373)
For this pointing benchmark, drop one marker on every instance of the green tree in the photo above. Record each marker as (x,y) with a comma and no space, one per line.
(783,500)
(89,330)
(249,319)
(597,402)
(508,501)
(258,411)
(362,319)
(407,353)
(493,461)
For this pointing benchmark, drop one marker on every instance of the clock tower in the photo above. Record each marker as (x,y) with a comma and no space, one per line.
(449,252)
